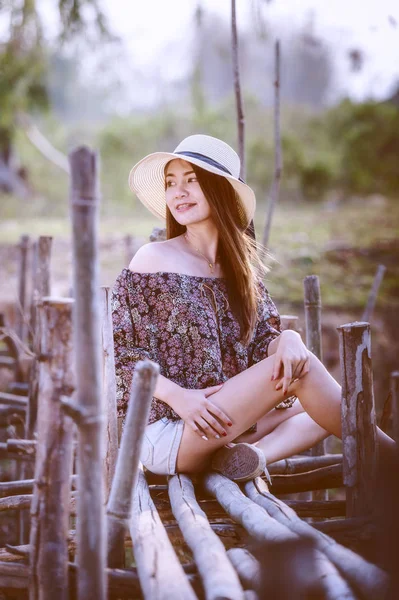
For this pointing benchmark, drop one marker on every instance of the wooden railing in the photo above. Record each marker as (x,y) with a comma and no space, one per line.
(176,527)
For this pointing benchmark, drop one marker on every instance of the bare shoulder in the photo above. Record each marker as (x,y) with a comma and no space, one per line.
(153,257)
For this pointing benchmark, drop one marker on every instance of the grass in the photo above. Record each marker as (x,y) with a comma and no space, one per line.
(342,244)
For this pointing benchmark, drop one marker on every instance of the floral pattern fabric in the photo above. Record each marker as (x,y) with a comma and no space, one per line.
(183,323)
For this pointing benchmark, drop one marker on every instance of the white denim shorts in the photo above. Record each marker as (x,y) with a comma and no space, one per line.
(161,444)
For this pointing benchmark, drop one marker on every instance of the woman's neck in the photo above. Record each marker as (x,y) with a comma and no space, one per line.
(205,240)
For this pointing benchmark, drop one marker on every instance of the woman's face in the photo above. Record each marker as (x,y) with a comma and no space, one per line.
(184,196)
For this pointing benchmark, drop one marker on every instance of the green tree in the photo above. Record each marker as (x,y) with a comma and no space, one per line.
(24,66)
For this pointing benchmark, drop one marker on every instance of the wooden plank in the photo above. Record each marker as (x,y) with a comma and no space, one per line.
(53,469)
(367,579)
(109,391)
(218,576)
(265,529)
(359,432)
(160,572)
(120,499)
(84,201)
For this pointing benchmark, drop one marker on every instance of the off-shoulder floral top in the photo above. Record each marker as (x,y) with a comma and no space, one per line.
(183,323)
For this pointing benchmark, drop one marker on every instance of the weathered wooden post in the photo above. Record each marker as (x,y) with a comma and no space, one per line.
(50,503)
(120,500)
(84,199)
(109,390)
(358,419)
(41,255)
(312,301)
(40,288)
(22,280)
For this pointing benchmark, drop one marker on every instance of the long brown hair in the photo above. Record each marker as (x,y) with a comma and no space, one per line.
(237,252)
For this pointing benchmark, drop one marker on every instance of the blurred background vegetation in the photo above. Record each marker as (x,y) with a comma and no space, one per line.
(338,212)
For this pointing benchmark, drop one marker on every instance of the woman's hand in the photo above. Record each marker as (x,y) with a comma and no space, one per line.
(201,414)
(292,359)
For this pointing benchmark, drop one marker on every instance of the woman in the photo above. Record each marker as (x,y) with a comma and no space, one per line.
(196,305)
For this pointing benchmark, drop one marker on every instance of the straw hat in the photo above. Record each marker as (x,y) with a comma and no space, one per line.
(147,177)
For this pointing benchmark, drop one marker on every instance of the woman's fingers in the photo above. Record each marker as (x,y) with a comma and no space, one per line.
(197,430)
(299,369)
(218,413)
(219,430)
(287,376)
(305,367)
(296,371)
(276,367)
(207,428)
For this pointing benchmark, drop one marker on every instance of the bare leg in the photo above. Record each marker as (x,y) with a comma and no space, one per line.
(250,395)
(293,436)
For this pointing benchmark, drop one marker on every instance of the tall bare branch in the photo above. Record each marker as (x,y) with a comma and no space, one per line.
(278,161)
(237,89)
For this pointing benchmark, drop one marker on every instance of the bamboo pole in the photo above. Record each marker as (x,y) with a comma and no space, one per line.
(312,301)
(50,502)
(109,388)
(267,530)
(368,579)
(160,572)
(23,501)
(372,299)
(218,576)
(358,419)
(22,281)
(237,90)
(84,200)
(13,400)
(278,161)
(41,254)
(319,479)
(247,567)
(120,499)
(303,464)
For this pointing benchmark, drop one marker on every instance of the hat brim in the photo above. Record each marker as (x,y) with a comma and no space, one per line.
(147,181)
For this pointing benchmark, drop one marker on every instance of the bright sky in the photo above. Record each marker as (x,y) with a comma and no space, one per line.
(153,29)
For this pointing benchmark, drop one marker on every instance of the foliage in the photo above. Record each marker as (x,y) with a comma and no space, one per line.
(367,136)
(24,52)
(315,180)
